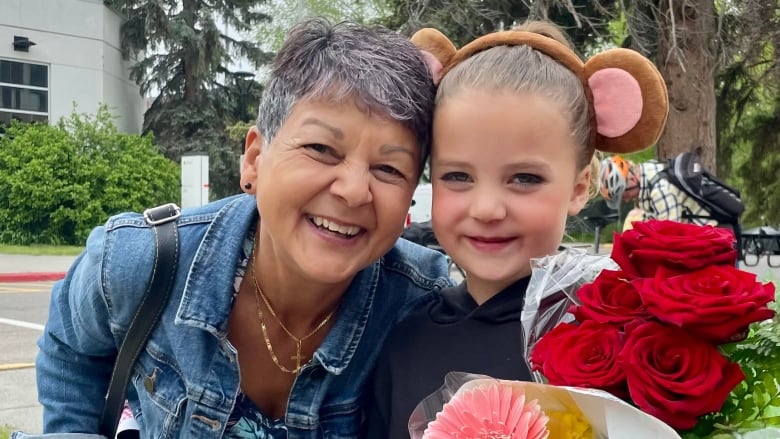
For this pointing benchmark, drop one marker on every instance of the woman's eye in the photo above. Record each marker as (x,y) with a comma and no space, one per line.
(390,170)
(458,177)
(317,147)
(527,179)
(322,153)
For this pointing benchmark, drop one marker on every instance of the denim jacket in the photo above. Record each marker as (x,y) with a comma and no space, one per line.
(186,380)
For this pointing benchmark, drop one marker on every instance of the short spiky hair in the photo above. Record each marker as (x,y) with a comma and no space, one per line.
(382,70)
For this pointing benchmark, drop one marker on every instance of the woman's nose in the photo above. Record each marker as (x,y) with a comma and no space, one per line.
(352,185)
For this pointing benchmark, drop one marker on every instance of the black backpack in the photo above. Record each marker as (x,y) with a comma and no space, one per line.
(721,201)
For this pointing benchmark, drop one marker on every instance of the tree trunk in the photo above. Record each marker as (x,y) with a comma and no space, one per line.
(686,59)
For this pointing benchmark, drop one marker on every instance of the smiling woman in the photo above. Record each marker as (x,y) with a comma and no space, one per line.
(283,295)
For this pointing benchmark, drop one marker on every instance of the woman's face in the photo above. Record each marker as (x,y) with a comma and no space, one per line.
(333,189)
(505,178)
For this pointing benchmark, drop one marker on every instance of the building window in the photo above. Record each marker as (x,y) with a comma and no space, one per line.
(24,92)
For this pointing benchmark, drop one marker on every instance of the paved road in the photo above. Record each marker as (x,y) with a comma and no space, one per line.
(23,312)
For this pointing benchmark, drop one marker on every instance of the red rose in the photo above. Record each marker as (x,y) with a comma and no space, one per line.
(675,376)
(678,246)
(716,303)
(610,298)
(584,355)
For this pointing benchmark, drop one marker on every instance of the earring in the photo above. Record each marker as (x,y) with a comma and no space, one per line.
(247,185)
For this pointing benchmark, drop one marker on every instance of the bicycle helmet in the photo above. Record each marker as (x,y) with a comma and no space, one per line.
(614,177)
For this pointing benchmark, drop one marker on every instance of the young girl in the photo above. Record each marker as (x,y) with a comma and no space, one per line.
(518,117)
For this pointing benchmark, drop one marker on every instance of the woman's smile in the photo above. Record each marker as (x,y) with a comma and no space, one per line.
(331,228)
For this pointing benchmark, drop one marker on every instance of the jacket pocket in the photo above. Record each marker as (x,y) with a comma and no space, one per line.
(161,393)
(341,421)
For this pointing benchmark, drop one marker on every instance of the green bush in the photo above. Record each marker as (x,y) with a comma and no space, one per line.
(58,182)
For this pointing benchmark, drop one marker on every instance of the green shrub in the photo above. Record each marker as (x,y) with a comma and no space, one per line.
(58,182)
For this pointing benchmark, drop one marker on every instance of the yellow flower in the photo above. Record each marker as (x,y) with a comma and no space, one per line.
(568,425)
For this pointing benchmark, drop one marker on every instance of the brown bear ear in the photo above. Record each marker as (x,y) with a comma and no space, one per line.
(437,49)
(629,98)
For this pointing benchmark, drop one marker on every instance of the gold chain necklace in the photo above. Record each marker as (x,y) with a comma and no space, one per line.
(298,341)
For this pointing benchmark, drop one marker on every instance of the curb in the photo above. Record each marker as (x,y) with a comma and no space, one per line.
(31,277)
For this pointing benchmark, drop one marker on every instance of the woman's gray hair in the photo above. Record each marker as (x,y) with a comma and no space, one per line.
(522,69)
(382,70)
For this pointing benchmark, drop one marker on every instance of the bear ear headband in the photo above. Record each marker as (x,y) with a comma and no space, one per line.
(627,92)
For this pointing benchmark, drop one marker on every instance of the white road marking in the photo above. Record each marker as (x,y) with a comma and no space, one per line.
(15,366)
(21,324)
(25,287)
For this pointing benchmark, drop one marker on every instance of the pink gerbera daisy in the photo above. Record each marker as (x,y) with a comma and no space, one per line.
(491,411)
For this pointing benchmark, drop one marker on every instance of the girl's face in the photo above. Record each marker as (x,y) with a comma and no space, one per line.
(505,179)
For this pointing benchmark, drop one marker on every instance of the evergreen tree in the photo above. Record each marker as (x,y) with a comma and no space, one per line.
(185,50)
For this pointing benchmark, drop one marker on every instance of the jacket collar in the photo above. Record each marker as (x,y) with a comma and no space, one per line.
(342,341)
(208,292)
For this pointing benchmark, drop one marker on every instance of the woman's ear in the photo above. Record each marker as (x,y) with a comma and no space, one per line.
(253,149)
(581,193)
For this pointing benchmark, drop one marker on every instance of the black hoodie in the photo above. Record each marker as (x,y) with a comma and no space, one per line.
(451,334)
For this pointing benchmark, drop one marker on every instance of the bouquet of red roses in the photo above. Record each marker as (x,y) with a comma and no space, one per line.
(651,331)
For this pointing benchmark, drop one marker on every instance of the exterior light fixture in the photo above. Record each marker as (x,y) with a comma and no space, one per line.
(22,44)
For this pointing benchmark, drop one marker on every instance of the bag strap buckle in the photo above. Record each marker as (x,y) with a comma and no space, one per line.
(162,214)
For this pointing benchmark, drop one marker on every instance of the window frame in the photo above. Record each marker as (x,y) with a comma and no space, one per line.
(47,90)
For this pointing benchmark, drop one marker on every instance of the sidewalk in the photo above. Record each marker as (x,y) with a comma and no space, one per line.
(26,268)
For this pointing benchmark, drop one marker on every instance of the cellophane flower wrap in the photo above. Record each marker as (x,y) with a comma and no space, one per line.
(472,406)
(664,331)
(552,290)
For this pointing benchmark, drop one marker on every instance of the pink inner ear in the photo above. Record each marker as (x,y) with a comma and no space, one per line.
(433,64)
(617,100)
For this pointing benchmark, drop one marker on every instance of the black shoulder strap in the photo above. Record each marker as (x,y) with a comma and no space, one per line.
(163,220)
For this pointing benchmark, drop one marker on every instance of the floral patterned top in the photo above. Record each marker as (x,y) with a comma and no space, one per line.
(247,421)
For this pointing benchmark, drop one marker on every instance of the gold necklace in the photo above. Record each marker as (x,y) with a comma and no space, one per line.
(298,341)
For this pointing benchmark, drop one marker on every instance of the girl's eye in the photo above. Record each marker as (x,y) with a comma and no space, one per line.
(457,177)
(526,179)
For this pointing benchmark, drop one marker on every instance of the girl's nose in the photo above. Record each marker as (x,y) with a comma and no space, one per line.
(487,205)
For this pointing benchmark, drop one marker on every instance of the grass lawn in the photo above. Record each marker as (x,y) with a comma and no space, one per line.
(40,250)
(5,431)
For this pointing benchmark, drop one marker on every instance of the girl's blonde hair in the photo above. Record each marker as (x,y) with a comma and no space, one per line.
(523,69)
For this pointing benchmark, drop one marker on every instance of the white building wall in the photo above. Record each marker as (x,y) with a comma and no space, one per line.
(119,91)
(79,41)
